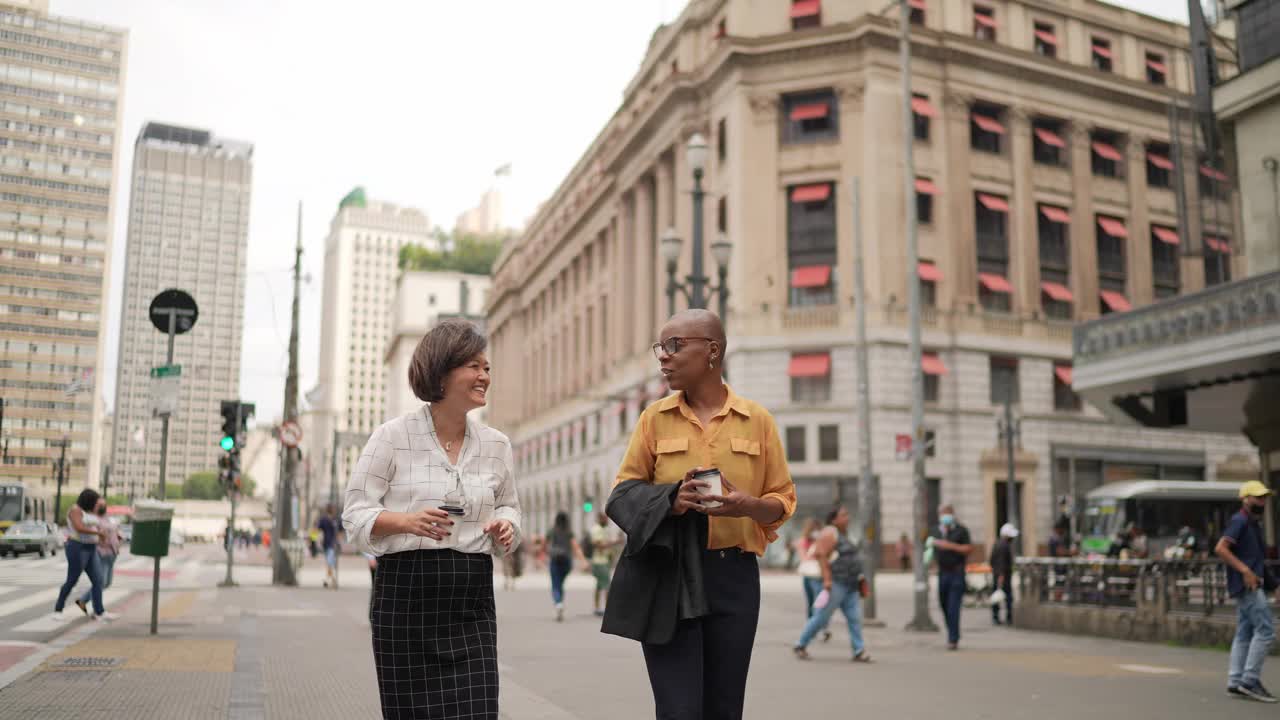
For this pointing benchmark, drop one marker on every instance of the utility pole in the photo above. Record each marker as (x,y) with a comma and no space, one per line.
(1009,430)
(920,621)
(283,571)
(62,478)
(868,486)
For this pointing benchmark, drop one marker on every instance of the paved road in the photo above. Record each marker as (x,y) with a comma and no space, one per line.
(257,651)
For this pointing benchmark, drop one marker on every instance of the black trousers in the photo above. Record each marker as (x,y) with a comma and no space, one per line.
(702,673)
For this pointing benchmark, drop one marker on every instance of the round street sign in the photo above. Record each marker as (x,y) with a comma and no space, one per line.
(175,303)
(291,434)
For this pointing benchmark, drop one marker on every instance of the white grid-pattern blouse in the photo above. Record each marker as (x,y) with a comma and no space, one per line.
(404,469)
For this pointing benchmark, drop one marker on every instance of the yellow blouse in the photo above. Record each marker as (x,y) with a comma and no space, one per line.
(741,441)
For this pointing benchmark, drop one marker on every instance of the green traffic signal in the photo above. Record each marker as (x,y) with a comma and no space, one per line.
(587,506)
(227,443)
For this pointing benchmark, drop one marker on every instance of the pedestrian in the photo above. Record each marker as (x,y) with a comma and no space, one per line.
(82,555)
(1002,569)
(313,542)
(603,542)
(809,570)
(433,497)
(951,548)
(512,568)
(266,538)
(1243,550)
(904,552)
(688,584)
(329,529)
(561,550)
(109,540)
(840,585)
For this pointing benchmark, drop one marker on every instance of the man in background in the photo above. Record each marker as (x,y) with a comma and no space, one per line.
(603,542)
(328,527)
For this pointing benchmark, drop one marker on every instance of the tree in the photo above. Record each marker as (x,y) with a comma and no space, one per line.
(462,252)
(203,486)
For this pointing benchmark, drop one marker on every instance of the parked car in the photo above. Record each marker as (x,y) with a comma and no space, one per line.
(30,536)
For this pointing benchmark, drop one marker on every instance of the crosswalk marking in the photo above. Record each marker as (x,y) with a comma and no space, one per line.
(27,601)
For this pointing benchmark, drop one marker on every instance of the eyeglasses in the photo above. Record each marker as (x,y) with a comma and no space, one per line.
(672,345)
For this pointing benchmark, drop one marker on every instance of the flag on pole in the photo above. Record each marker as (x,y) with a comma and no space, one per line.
(503,171)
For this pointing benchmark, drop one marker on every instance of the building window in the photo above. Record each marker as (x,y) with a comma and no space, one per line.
(1157,71)
(1159,165)
(921,111)
(1106,157)
(1004,379)
(722,140)
(809,116)
(811,244)
(985,128)
(1055,262)
(929,275)
(795,443)
(917,11)
(1046,41)
(1048,145)
(810,375)
(1101,54)
(1217,260)
(984,23)
(806,14)
(1213,182)
(925,190)
(1164,261)
(722,214)
(932,369)
(994,290)
(1064,398)
(828,443)
(1111,237)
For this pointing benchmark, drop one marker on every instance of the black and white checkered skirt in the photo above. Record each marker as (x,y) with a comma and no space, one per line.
(435,635)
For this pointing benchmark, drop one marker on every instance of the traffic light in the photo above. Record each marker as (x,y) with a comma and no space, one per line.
(229,425)
(587,505)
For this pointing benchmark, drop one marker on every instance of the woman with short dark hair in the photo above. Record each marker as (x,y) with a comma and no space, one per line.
(840,585)
(433,497)
(82,555)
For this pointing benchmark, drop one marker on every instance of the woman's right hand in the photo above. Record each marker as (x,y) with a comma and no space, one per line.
(429,522)
(688,497)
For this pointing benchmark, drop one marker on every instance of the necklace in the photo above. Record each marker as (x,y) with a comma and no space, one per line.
(448,444)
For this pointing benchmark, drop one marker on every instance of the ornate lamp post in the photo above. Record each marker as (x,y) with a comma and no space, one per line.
(696,287)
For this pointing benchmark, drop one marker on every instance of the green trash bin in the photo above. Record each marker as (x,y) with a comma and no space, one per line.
(151,524)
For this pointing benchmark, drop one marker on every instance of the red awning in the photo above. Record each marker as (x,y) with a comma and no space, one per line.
(810,193)
(1160,161)
(916,4)
(931,364)
(1057,291)
(1157,66)
(811,276)
(1113,227)
(925,186)
(1049,137)
(1102,51)
(1116,301)
(811,365)
(1063,372)
(805,8)
(810,111)
(921,106)
(984,20)
(113,510)
(988,123)
(1047,37)
(1107,151)
(1213,173)
(993,202)
(929,272)
(1217,244)
(995,283)
(1165,234)
(1055,214)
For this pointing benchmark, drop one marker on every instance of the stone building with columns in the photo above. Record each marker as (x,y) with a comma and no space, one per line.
(1044,192)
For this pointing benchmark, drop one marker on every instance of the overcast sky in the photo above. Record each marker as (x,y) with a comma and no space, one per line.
(417,100)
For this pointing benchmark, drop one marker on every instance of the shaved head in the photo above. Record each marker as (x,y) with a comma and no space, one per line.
(698,322)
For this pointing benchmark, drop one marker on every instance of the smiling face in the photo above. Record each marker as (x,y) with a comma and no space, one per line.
(468,385)
(698,348)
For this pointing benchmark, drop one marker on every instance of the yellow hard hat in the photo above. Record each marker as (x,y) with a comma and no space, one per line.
(1253,488)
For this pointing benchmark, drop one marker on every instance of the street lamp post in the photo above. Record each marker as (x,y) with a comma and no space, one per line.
(697,288)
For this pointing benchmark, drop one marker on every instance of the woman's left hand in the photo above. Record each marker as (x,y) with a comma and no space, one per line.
(502,531)
(734,502)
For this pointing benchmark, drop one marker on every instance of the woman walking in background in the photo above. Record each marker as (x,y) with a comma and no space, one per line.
(82,555)
(809,569)
(839,585)
(433,496)
(562,548)
(108,548)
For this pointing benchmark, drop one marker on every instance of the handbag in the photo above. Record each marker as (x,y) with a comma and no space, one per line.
(998,597)
(864,588)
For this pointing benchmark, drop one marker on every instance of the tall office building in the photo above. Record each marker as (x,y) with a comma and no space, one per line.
(188,229)
(361,264)
(61,97)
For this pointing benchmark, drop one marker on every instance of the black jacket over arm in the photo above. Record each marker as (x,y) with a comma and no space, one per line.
(658,581)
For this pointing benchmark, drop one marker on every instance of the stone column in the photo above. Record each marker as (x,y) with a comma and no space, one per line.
(667,207)
(620,242)
(958,192)
(1084,240)
(1024,241)
(638,289)
(1141,274)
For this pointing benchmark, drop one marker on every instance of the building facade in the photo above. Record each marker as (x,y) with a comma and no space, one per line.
(1044,192)
(422,299)
(361,263)
(485,218)
(61,104)
(188,229)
